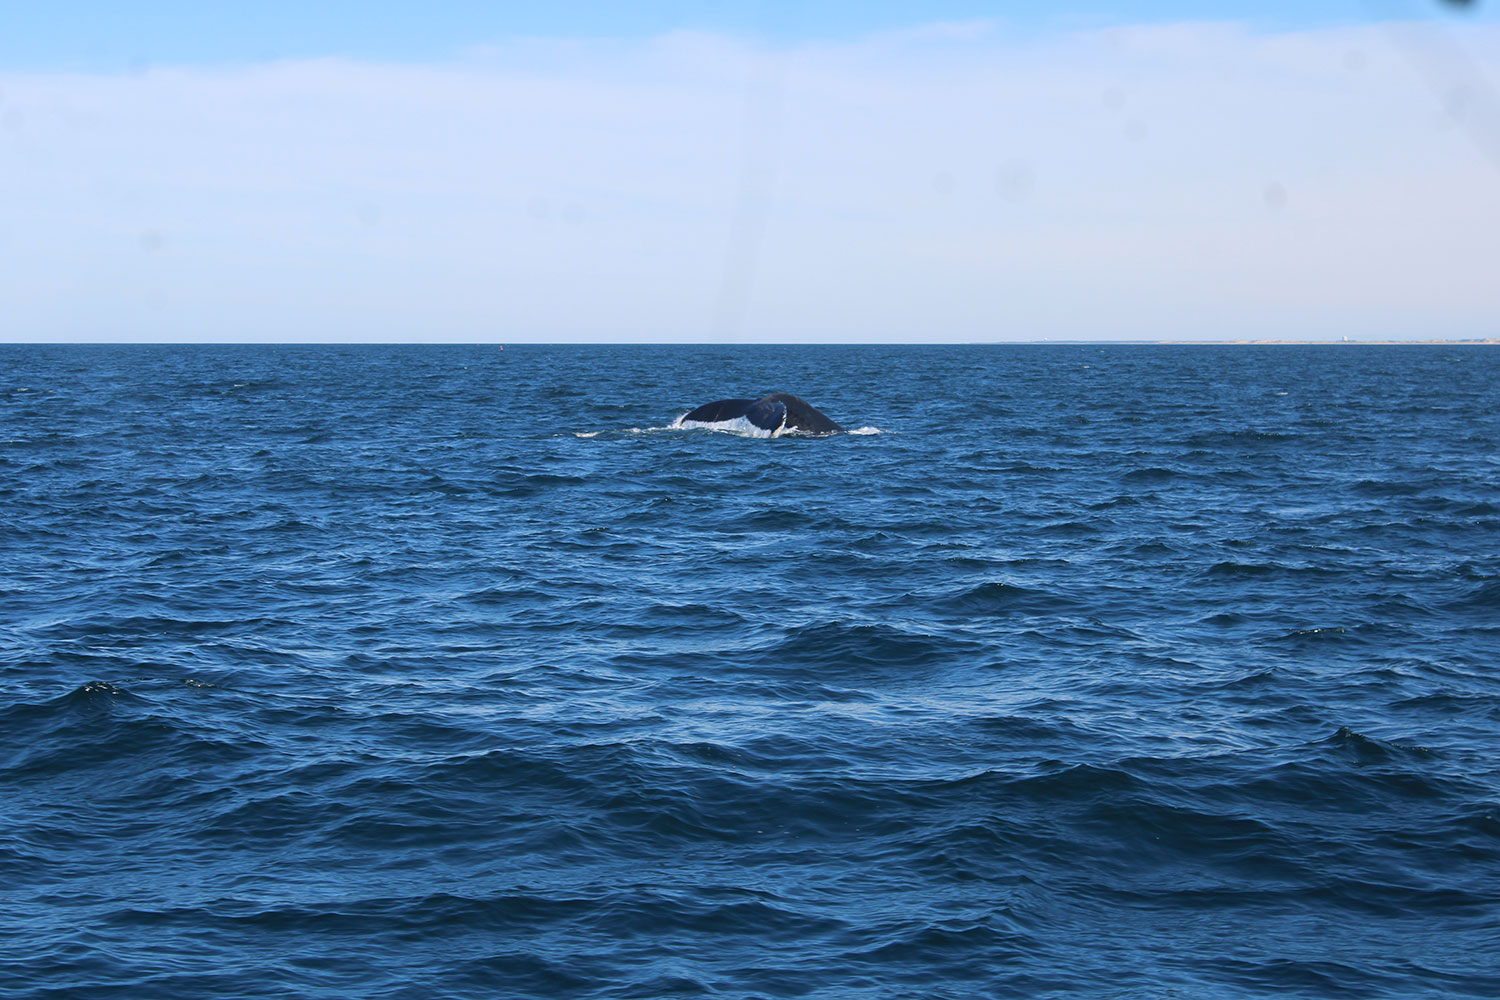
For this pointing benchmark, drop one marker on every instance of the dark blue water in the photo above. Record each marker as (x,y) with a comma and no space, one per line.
(392,672)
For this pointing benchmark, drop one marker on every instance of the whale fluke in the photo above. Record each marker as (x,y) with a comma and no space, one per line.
(779,413)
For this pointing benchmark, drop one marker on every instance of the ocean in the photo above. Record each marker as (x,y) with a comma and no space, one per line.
(1094,671)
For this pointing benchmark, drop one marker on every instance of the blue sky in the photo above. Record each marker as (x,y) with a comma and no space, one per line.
(106,34)
(749,172)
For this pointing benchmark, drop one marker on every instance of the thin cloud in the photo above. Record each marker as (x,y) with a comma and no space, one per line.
(946,183)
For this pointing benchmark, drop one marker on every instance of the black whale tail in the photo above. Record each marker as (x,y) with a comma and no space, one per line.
(778,413)
(768,414)
(802,415)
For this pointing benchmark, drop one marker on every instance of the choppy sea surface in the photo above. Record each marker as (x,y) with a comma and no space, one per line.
(427,672)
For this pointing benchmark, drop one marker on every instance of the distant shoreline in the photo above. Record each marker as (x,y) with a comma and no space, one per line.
(1267,342)
(1434,342)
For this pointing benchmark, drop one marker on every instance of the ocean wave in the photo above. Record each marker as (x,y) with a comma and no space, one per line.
(386,671)
(850,647)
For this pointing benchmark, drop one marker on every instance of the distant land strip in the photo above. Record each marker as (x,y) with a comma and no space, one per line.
(1434,341)
(1343,342)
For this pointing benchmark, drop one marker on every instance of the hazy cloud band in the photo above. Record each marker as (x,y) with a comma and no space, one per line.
(947,183)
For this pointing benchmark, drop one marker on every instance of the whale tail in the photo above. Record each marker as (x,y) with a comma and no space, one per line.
(802,416)
(777,413)
(768,414)
(718,411)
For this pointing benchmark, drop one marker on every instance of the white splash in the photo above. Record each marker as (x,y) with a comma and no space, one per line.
(739,425)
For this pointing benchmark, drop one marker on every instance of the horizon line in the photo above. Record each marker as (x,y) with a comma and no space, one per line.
(1235,342)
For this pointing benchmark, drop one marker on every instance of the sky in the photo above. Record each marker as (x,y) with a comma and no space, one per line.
(750,171)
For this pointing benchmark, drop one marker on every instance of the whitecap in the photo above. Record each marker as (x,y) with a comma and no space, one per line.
(739,425)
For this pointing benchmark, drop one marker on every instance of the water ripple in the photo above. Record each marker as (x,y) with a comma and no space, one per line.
(410,672)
